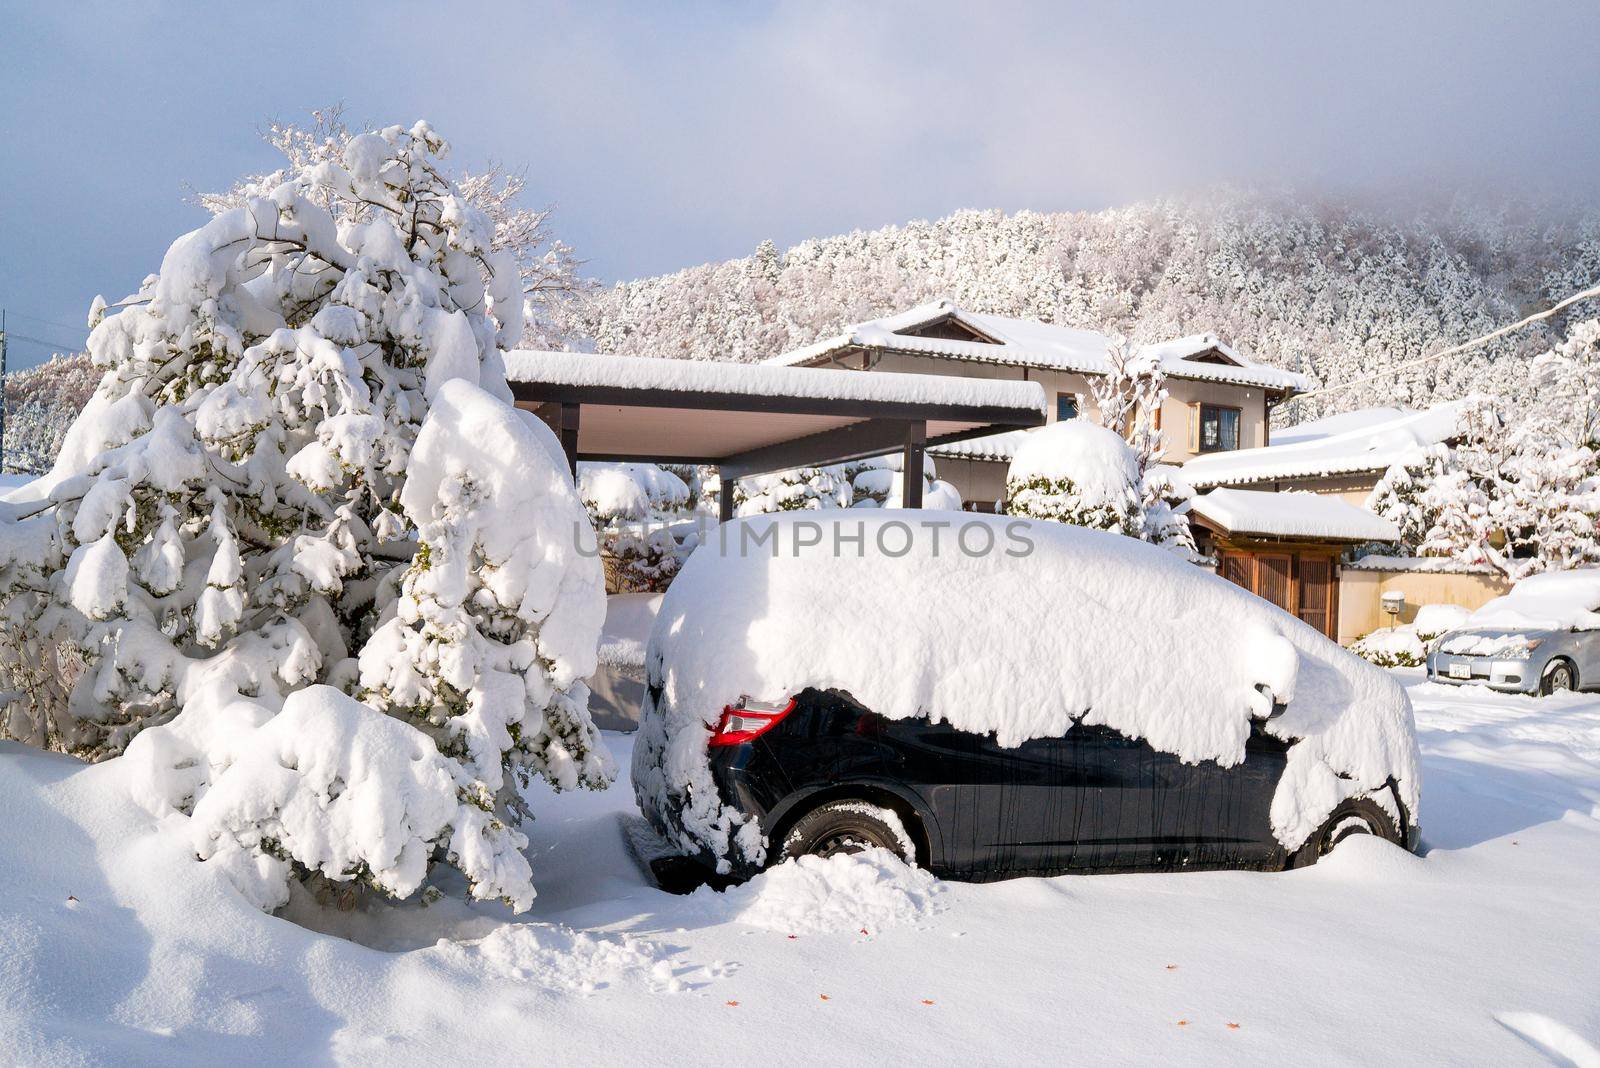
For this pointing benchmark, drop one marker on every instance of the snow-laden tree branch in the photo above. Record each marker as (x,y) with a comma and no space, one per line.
(548,269)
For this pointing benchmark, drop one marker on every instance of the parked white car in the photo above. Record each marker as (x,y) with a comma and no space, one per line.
(1541,638)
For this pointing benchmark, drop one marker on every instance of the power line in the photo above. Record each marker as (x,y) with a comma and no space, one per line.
(40,319)
(1592,291)
(59,346)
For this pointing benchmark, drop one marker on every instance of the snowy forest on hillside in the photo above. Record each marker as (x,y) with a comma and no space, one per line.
(1331,289)
(1334,290)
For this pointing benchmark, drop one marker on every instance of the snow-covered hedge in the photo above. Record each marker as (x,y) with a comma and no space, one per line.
(299,476)
(1138,639)
(1392,647)
(1076,472)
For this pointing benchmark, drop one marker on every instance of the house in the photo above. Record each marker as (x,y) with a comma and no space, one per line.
(1279,519)
(1286,548)
(1218,400)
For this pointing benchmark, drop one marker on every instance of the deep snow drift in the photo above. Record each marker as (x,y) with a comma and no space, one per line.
(1051,623)
(117,947)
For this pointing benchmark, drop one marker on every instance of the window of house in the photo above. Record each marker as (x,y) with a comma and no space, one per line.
(1066,406)
(1219,428)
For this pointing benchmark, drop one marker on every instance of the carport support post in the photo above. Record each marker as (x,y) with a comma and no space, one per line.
(569,436)
(911,469)
(724,496)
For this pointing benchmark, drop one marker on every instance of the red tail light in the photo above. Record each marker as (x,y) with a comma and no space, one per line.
(746,720)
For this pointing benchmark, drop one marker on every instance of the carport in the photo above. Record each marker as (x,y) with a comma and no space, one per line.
(751,419)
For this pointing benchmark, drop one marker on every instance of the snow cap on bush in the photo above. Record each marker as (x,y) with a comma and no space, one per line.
(1075,472)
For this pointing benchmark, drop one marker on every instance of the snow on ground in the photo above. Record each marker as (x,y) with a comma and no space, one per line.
(117,948)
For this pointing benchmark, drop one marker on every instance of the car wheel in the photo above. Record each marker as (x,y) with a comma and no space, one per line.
(847,827)
(1359,815)
(1558,678)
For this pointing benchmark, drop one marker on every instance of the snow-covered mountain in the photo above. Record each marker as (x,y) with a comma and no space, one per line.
(1331,289)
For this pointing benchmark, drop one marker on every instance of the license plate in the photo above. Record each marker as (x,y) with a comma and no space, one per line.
(1461,671)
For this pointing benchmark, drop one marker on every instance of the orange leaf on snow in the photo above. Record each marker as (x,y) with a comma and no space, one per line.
(1183,1023)
(824,997)
(925,1001)
(732,1004)
(1233,1027)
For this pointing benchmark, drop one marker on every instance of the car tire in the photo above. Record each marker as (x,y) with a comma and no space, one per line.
(1559,677)
(847,827)
(1359,815)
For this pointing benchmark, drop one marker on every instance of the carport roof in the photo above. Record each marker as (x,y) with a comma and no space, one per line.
(752,418)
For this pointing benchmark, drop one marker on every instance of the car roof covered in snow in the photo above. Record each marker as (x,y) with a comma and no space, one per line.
(1030,343)
(1555,600)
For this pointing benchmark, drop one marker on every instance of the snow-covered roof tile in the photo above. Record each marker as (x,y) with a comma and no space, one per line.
(1029,343)
(1340,445)
(1291,515)
(763,380)
(989,447)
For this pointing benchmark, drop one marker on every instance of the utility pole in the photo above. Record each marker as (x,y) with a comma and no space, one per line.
(2,390)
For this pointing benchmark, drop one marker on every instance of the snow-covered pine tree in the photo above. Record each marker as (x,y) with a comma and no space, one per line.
(498,617)
(1128,400)
(1402,495)
(227,524)
(1076,472)
(41,403)
(1467,500)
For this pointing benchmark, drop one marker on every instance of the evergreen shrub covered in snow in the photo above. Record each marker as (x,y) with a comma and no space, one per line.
(1392,647)
(299,483)
(639,511)
(1076,472)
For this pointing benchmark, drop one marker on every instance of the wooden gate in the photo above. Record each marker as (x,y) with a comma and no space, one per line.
(1301,584)
(1316,593)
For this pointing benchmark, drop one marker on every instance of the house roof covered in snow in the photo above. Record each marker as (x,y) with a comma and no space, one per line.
(1290,515)
(1352,443)
(942,329)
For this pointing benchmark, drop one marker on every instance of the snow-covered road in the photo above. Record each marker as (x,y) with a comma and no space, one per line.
(116,948)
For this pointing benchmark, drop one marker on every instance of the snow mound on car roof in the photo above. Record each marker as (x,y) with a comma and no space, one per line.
(1005,626)
(1556,600)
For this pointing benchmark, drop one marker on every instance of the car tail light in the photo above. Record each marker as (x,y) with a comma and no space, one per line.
(747,719)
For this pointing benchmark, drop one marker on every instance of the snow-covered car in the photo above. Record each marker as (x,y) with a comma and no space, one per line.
(994,697)
(1541,638)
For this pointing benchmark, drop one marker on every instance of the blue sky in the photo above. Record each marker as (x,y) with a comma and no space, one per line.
(668,134)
